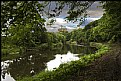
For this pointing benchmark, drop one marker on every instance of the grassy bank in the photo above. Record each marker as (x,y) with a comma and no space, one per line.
(67,70)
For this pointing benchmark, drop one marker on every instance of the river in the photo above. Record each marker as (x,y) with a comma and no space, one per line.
(41,60)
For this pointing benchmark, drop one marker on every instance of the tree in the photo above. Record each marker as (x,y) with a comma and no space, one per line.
(23,22)
(111,19)
(91,25)
(29,11)
(108,26)
(28,16)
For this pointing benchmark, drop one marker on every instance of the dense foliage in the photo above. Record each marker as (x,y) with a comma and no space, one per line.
(106,29)
(23,22)
(23,27)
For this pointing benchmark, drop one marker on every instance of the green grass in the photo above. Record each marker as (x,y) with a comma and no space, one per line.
(67,70)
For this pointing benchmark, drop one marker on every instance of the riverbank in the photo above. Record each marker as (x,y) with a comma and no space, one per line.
(68,70)
(13,52)
(106,68)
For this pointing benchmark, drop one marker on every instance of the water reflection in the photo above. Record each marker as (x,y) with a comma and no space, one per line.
(5,74)
(39,60)
(59,59)
(7,77)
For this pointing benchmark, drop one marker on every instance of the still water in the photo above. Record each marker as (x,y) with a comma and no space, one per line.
(41,60)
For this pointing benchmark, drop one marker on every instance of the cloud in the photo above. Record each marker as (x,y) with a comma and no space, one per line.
(94,12)
(92,19)
(88,20)
(60,21)
(70,26)
(52,29)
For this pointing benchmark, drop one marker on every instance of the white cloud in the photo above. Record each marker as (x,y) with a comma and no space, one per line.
(69,26)
(60,21)
(94,13)
(92,19)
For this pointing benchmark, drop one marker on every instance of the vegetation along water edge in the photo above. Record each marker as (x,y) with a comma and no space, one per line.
(67,70)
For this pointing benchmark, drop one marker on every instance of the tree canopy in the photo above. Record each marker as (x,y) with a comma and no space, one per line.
(23,22)
(20,12)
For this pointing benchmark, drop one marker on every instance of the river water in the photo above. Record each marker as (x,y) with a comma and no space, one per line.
(41,60)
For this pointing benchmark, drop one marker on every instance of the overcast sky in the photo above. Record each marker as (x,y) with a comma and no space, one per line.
(94,13)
